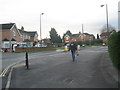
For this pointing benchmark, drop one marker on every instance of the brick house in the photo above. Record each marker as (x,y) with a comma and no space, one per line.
(25,35)
(46,41)
(104,36)
(33,36)
(29,35)
(78,37)
(11,35)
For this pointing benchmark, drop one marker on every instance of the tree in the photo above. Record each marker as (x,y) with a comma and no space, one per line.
(98,36)
(110,28)
(59,39)
(53,35)
(69,33)
(55,38)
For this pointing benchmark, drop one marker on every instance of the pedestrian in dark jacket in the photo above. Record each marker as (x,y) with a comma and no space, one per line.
(73,48)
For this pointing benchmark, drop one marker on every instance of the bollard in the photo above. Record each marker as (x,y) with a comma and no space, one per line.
(27,63)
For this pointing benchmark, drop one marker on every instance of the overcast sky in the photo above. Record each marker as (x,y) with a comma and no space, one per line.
(62,15)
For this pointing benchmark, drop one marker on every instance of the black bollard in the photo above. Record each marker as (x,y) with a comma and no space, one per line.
(27,63)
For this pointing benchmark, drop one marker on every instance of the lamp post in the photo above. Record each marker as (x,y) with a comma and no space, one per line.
(106,16)
(119,16)
(118,20)
(40,26)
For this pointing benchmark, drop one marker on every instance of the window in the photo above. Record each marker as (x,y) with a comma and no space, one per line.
(6,45)
(14,33)
(26,36)
(21,36)
(67,38)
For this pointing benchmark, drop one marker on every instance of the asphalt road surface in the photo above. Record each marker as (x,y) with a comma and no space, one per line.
(56,70)
(8,59)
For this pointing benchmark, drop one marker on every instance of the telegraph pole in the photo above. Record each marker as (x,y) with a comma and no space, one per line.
(83,32)
(82,35)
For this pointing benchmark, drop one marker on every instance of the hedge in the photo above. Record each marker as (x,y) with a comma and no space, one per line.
(114,48)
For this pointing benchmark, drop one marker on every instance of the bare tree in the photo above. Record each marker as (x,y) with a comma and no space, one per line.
(110,28)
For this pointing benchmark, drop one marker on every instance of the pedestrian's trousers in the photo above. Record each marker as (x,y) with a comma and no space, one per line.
(73,55)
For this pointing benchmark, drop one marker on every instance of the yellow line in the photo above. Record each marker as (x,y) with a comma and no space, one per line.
(5,70)
(3,73)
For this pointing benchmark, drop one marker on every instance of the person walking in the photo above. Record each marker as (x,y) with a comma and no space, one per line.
(73,48)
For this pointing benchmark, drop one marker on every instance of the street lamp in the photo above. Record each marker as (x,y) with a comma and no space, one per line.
(119,16)
(40,26)
(106,15)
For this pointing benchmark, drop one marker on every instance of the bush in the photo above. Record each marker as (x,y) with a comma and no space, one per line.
(114,48)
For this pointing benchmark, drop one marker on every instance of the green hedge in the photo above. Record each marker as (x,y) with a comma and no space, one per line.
(114,48)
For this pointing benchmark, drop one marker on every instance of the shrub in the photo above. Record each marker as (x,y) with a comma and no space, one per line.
(114,48)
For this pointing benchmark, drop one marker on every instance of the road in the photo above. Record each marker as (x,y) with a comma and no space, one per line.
(56,70)
(8,59)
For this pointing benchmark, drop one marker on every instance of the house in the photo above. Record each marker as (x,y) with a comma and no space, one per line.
(78,37)
(25,35)
(46,40)
(104,36)
(10,35)
(28,37)
(33,36)
(88,36)
(67,38)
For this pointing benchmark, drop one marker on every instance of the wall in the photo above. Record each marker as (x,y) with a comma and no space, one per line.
(27,49)
(5,34)
(18,38)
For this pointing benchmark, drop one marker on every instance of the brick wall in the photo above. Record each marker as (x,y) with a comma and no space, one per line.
(27,49)
(5,34)
(17,37)
(9,34)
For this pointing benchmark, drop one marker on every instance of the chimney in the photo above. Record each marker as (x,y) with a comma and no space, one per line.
(22,28)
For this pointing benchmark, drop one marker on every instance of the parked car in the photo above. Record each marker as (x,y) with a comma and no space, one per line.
(103,44)
(83,45)
(29,46)
(40,45)
(23,45)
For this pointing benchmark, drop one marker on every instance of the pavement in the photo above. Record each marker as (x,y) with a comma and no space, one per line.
(20,71)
